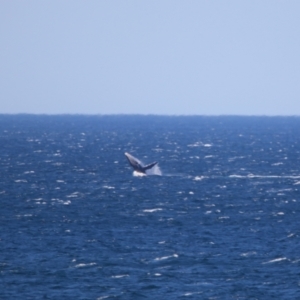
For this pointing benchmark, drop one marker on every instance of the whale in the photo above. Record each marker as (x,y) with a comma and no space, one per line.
(137,165)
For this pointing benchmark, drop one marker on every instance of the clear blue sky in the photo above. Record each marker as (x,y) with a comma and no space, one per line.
(150,57)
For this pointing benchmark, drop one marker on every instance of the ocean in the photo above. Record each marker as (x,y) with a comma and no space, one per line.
(221,221)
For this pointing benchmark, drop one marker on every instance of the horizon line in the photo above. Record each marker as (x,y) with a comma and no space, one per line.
(147,115)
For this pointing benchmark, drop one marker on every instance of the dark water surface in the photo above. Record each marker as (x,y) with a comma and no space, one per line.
(222,222)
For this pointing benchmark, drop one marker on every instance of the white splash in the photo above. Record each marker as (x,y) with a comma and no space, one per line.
(138,174)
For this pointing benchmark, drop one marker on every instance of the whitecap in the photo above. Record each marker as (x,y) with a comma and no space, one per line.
(120,276)
(152,210)
(73,195)
(191,294)
(197,144)
(108,187)
(264,176)
(197,157)
(277,164)
(59,201)
(246,254)
(236,176)
(20,180)
(231,159)
(85,265)
(166,257)
(275,260)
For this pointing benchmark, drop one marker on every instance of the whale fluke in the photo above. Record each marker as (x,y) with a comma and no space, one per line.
(137,165)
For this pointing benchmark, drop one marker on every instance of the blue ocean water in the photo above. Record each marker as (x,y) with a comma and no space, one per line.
(221,222)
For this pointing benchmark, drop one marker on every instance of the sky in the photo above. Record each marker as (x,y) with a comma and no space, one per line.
(165,57)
